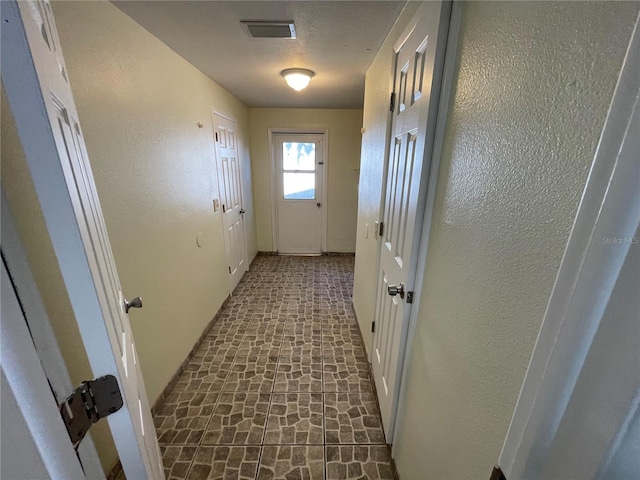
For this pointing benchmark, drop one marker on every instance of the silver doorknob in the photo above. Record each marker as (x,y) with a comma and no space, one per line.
(135,303)
(396,290)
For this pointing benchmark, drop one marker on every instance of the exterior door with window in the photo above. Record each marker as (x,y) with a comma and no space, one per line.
(299,169)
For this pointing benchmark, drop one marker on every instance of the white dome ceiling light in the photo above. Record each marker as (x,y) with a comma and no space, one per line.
(297,78)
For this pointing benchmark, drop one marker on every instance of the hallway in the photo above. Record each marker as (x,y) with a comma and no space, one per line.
(280,387)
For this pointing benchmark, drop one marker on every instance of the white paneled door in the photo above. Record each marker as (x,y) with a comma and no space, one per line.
(37,86)
(420,55)
(299,170)
(230,188)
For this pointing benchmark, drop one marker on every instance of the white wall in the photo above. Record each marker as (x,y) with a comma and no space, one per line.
(139,104)
(341,169)
(533,84)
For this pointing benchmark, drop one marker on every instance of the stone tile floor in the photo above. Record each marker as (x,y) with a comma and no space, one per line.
(280,387)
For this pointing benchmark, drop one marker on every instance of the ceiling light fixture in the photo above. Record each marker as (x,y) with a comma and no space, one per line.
(297,78)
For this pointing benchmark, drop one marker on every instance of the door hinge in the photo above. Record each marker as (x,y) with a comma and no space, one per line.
(497,474)
(229,269)
(373,327)
(91,401)
(217,137)
(381,228)
(224,209)
(409,297)
(392,102)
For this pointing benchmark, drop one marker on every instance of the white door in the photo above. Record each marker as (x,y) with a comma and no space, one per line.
(299,168)
(230,190)
(37,86)
(418,66)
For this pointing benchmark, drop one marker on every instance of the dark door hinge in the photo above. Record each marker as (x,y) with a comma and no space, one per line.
(381,228)
(373,327)
(229,269)
(392,102)
(217,137)
(497,474)
(224,209)
(91,401)
(409,297)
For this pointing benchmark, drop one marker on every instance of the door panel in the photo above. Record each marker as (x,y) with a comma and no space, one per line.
(47,123)
(231,197)
(417,64)
(299,170)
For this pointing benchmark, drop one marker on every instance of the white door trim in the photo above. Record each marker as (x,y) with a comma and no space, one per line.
(231,118)
(33,406)
(610,205)
(273,179)
(41,331)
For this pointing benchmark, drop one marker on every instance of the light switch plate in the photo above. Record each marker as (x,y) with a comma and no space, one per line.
(216,204)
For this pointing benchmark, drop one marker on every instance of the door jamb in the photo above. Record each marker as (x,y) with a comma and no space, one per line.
(45,346)
(215,151)
(273,185)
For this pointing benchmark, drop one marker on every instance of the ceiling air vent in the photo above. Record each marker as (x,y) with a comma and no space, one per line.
(269,29)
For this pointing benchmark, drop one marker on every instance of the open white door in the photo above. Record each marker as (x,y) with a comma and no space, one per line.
(230,188)
(419,61)
(37,86)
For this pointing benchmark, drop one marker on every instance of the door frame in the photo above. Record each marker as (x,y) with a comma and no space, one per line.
(426,195)
(29,408)
(231,118)
(273,179)
(42,338)
(588,273)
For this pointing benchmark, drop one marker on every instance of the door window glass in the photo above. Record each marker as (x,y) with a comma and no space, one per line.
(299,186)
(298,156)
(298,170)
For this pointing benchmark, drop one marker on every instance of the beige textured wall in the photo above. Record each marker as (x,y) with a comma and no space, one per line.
(342,181)
(139,104)
(534,82)
(378,86)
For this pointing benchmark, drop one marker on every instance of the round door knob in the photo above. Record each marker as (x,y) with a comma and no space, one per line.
(394,290)
(135,303)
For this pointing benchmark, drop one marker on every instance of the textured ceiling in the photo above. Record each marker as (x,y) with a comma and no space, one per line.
(336,39)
